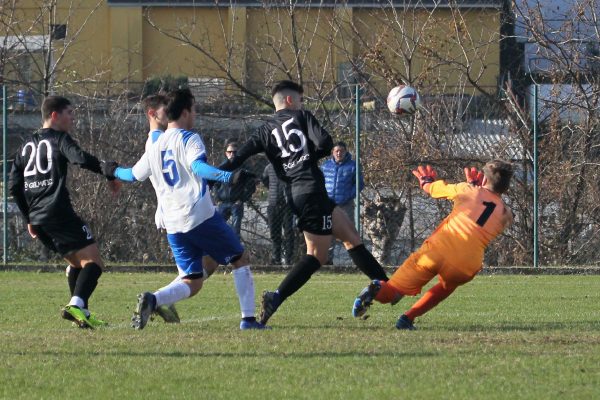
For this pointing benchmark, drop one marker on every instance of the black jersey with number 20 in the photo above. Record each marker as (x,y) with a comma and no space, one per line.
(39,173)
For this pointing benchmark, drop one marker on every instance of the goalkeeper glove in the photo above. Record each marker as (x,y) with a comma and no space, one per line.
(425,175)
(473,176)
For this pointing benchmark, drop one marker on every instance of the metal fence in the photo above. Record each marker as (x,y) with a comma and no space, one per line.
(395,215)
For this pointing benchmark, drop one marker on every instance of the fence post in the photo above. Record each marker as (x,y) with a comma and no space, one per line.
(4,180)
(535,177)
(357,146)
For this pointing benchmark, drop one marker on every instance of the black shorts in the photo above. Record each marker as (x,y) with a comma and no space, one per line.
(314,212)
(66,237)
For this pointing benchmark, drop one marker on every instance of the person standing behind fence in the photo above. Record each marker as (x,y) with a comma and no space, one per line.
(340,183)
(279,217)
(230,201)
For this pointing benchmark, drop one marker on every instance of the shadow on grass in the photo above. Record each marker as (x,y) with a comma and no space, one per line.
(208,354)
(580,326)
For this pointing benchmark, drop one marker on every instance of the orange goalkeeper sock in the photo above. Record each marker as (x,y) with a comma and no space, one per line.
(429,300)
(387,293)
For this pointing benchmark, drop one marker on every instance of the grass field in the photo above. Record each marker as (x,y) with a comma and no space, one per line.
(499,337)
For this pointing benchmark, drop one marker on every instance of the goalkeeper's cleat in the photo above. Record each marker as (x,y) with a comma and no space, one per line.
(270,302)
(168,314)
(96,322)
(365,299)
(404,323)
(76,314)
(254,324)
(144,309)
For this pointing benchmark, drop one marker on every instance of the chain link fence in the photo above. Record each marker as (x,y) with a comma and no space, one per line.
(395,217)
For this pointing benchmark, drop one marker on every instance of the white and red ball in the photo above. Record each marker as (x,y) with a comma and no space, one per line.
(403,100)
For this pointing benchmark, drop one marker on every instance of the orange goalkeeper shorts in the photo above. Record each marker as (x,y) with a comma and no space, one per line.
(423,265)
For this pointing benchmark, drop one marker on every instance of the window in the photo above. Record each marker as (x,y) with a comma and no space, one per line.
(58,32)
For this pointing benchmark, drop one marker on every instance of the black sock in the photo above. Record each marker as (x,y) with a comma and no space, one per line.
(249,319)
(365,261)
(298,276)
(87,281)
(72,278)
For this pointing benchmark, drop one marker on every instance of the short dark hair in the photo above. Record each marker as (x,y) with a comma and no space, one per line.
(231,143)
(286,85)
(341,144)
(154,101)
(498,174)
(177,101)
(54,104)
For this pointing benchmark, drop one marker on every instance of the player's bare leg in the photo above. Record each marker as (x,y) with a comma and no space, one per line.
(343,229)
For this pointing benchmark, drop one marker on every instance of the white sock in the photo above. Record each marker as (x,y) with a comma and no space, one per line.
(244,286)
(172,293)
(177,279)
(77,301)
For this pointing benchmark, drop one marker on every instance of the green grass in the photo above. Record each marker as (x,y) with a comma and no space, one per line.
(499,337)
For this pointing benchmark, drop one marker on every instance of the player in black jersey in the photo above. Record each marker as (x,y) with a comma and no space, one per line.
(294,141)
(38,185)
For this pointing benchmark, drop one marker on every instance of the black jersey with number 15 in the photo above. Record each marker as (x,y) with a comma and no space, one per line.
(39,173)
(293,141)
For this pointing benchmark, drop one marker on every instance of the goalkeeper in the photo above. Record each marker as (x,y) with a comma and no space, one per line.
(454,251)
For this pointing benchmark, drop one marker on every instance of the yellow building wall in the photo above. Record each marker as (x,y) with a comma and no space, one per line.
(257,46)
(279,51)
(206,28)
(83,56)
(395,36)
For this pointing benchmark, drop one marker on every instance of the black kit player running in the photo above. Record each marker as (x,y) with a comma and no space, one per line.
(294,141)
(38,185)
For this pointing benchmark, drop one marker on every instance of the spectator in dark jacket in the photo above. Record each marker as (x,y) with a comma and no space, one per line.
(279,217)
(340,181)
(230,199)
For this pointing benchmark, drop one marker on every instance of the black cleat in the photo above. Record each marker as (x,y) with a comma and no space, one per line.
(270,302)
(404,323)
(145,307)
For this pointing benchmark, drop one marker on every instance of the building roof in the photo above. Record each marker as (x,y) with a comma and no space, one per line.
(310,3)
(485,139)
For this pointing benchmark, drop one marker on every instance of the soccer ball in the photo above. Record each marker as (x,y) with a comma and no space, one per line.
(403,100)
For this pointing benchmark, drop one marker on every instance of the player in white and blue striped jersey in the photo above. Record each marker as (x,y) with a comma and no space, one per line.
(175,162)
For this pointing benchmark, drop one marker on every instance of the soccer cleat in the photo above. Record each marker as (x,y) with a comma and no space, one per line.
(96,322)
(365,299)
(269,304)
(405,324)
(168,314)
(246,325)
(76,314)
(145,307)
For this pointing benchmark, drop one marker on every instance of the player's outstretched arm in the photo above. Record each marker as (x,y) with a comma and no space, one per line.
(112,170)
(251,147)
(208,172)
(426,175)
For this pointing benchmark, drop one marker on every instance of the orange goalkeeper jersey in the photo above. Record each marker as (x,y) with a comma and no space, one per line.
(478,216)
